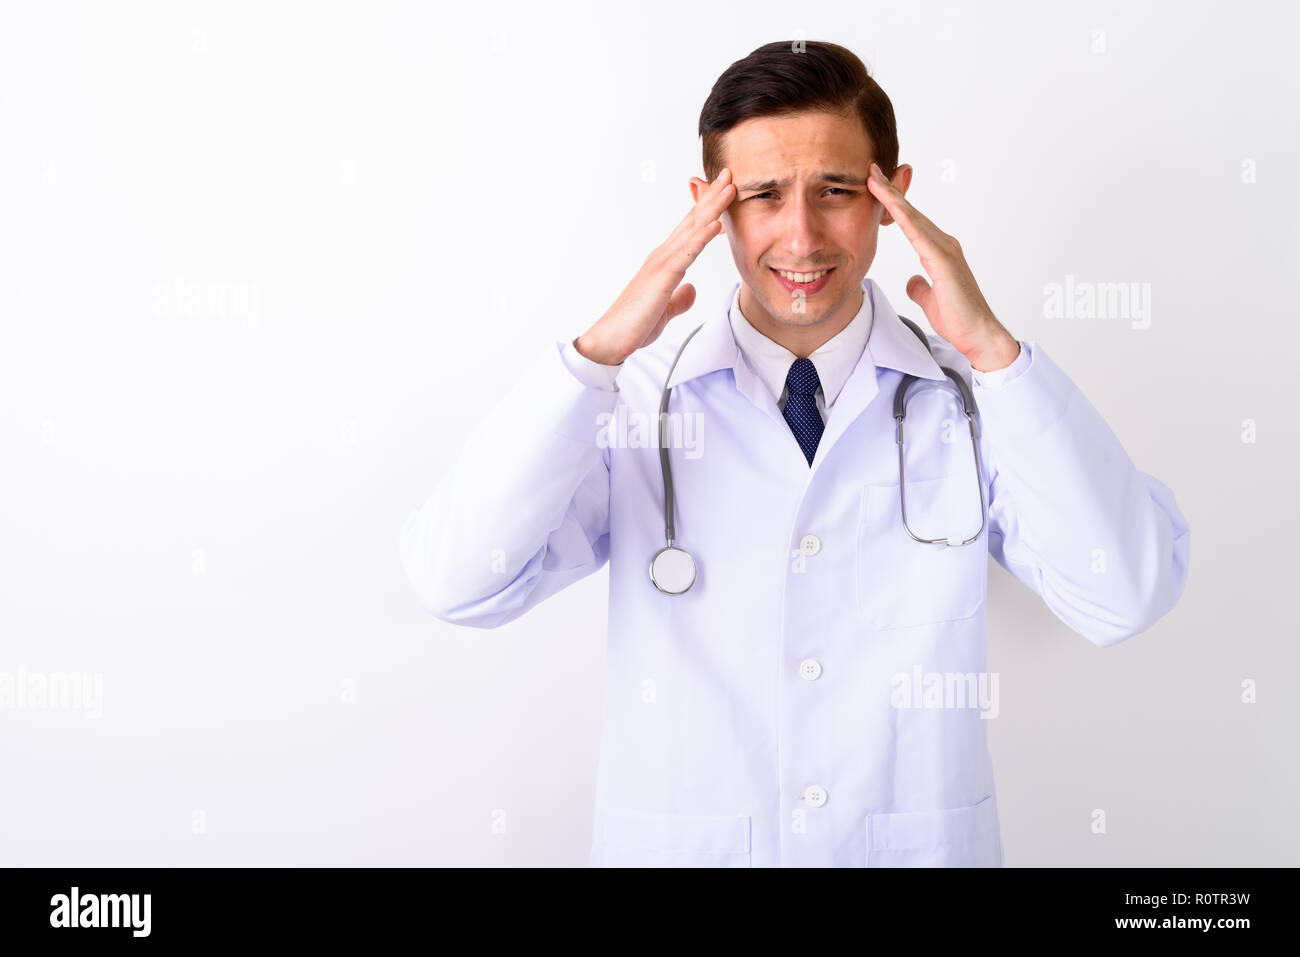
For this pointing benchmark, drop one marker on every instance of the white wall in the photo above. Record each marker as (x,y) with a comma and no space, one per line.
(232,363)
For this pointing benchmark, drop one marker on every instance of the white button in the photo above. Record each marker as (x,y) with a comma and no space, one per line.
(810,544)
(810,668)
(814,795)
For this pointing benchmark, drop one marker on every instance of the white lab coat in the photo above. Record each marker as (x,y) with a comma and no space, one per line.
(762,718)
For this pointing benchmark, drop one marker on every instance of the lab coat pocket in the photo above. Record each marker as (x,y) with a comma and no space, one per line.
(955,837)
(654,839)
(901,581)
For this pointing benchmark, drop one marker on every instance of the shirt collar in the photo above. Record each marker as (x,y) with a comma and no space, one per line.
(833,359)
(889,344)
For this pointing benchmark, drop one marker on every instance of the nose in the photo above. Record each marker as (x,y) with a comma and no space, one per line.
(801,229)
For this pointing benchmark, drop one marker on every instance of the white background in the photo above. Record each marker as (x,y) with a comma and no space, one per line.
(265,265)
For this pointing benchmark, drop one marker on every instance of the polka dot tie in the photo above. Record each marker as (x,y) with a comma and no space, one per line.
(801,406)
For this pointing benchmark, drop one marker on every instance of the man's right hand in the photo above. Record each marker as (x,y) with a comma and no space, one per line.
(654,295)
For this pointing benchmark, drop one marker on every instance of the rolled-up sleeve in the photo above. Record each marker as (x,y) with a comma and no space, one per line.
(1102,543)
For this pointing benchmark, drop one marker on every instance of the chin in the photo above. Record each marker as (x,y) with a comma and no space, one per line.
(810,316)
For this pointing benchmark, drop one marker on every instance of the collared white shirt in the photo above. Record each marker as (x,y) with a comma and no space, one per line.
(834,359)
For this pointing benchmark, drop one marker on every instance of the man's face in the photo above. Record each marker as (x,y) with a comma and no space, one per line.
(789,216)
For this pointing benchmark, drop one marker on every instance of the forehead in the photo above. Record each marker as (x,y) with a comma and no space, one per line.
(774,146)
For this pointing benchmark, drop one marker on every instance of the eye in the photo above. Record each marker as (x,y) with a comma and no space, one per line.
(844,192)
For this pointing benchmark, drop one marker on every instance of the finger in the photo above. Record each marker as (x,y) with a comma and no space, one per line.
(924,235)
(915,226)
(930,244)
(711,205)
(894,197)
(680,256)
(667,265)
(709,189)
(716,198)
(694,237)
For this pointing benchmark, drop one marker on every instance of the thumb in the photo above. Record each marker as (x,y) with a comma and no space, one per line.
(680,301)
(919,291)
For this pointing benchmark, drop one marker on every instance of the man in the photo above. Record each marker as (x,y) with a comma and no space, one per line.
(783,710)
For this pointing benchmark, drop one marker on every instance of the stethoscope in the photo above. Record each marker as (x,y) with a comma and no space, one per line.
(672,569)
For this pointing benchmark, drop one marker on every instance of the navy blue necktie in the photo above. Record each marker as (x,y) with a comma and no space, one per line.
(801,406)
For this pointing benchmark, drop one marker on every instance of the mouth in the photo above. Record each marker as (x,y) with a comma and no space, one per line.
(813,282)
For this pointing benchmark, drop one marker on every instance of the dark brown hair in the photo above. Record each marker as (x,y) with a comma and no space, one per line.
(787,77)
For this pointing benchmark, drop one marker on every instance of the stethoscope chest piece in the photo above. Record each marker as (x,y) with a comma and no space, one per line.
(672,570)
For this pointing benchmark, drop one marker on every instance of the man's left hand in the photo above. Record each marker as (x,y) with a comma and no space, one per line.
(954,304)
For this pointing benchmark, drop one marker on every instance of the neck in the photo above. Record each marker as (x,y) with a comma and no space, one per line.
(802,340)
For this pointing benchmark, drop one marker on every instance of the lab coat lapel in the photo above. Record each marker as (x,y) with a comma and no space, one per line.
(713,348)
(891,345)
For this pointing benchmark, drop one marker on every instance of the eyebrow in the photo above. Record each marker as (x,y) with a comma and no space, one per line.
(843,179)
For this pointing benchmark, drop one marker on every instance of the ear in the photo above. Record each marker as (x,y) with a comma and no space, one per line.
(901,179)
